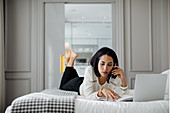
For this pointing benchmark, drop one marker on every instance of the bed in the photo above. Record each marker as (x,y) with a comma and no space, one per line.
(84,105)
(79,104)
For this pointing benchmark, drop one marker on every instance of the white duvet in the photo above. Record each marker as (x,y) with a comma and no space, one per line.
(83,105)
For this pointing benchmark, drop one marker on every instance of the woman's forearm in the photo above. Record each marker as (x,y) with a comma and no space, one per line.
(124,83)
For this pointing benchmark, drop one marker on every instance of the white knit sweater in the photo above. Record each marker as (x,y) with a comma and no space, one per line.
(90,86)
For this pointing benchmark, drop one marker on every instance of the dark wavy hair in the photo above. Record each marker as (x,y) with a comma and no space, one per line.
(96,57)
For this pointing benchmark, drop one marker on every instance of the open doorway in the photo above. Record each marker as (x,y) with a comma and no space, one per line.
(94,27)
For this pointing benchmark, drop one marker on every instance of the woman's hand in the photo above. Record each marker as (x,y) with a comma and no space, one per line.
(110,94)
(119,72)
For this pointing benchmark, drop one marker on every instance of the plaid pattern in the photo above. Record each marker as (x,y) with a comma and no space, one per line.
(44,102)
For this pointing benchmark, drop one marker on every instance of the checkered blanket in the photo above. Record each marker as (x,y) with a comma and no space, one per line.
(48,101)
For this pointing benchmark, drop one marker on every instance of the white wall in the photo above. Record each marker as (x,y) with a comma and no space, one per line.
(21,63)
(146,39)
(24,43)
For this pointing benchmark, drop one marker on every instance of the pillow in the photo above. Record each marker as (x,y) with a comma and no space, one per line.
(167,84)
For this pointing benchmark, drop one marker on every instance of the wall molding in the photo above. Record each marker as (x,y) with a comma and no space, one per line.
(164,35)
(2,74)
(131,82)
(17,76)
(120,31)
(41,47)
(150,39)
(22,85)
(17,68)
(15,71)
(20,77)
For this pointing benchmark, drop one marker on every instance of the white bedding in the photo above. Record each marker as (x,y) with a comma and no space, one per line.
(83,105)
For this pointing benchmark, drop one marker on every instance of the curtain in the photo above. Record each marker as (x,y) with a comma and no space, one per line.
(2,80)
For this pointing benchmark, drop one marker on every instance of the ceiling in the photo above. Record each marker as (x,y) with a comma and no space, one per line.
(88,12)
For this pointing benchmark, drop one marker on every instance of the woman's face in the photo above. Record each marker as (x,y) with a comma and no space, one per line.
(105,65)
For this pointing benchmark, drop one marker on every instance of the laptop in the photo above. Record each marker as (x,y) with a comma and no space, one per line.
(149,87)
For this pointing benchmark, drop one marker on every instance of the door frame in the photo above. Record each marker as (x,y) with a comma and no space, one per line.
(41,34)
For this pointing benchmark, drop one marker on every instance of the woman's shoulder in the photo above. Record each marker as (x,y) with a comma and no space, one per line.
(89,72)
(89,68)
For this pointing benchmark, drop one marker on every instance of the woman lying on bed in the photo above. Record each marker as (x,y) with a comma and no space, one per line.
(99,79)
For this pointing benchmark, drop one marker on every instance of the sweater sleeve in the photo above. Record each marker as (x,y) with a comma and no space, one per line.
(90,84)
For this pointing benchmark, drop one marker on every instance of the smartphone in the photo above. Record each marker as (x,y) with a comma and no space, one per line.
(111,75)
